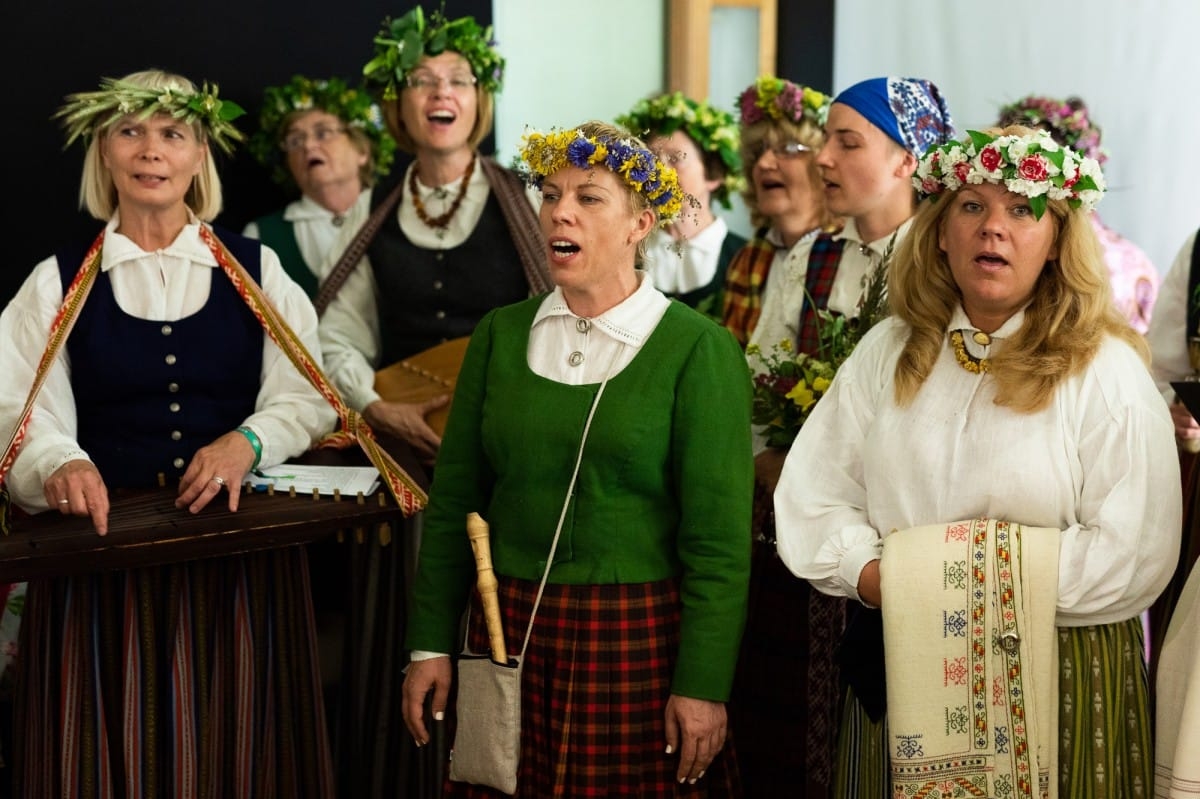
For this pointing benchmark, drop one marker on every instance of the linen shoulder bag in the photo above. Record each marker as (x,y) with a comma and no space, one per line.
(487,740)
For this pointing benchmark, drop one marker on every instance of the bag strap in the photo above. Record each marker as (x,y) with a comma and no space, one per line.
(1193,306)
(523,225)
(567,501)
(349,260)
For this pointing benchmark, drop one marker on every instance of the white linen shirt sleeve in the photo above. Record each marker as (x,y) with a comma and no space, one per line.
(164,285)
(1168,332)
(822,529)
(1097,463)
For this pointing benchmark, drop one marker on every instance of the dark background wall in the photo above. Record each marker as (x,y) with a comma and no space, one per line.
(51,49)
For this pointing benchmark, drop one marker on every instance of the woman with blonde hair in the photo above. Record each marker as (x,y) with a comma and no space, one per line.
(1006,396)
(632,649)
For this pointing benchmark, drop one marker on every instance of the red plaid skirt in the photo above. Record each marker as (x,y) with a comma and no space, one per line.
(596,682)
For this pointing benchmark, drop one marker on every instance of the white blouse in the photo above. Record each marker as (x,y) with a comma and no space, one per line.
(1098,463)
(678,266)
(317,229)
(164,285)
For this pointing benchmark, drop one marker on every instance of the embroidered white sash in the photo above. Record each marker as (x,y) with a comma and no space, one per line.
(971,656)
(1177,727)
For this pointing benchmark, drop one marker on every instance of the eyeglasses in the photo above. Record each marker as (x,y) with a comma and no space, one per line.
(427,81)
(785,151)
(296,139)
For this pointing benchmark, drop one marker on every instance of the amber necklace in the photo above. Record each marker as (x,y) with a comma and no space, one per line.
(444,219)
(965,359)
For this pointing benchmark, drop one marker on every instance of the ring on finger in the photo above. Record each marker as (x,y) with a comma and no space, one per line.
(64,502)
(218,479)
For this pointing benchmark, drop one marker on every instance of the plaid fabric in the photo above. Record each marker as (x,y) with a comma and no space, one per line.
(823,262)
(193,680)
(744,284)
(596,682)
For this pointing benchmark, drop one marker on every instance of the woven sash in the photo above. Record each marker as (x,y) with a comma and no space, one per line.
(970,649)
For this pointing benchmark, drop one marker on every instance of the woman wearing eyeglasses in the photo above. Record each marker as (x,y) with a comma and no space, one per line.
(463,237)
(810,161)
(327,141)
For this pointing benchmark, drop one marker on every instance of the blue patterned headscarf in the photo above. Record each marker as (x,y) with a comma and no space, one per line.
(910,111)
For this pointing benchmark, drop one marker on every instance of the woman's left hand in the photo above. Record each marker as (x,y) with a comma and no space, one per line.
(220,465)
(696,729)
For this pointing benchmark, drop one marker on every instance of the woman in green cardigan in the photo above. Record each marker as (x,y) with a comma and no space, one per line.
(636,635)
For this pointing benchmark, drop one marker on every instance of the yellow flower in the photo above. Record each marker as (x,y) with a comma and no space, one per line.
(802,395)
(821,384)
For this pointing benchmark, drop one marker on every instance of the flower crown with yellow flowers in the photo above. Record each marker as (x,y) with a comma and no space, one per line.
(85,112)
(402,42)
(713,130)
(776,98)
(1032,165)
(353,106)
(543,154)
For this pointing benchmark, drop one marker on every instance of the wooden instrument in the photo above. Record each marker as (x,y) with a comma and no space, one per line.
(424,376)
(146,529)
(477,531)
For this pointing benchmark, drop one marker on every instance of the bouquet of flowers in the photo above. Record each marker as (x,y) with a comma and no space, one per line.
(786,393)
(789,383)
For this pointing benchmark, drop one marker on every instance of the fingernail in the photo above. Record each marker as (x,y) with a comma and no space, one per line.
(700,775)
(692,781)
(439,715)
(671,749)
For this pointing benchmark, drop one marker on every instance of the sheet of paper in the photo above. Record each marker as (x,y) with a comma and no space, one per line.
(348,480)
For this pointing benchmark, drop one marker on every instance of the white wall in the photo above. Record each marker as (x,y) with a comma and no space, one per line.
(1136,65)
(572,62)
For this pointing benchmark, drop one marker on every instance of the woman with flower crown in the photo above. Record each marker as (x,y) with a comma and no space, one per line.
(1135,279)
(186,679)
(992,477)
(688,259)
(811,160)
(459,236)
(633,645)
(328,142)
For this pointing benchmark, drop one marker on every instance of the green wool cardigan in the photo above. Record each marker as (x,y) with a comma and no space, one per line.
(664,489)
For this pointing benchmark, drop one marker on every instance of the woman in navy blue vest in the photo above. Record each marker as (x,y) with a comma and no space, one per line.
(189,679)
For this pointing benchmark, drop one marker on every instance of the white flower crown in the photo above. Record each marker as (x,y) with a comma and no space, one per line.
(1032,165)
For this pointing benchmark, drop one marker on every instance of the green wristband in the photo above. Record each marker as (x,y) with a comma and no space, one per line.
(252,437)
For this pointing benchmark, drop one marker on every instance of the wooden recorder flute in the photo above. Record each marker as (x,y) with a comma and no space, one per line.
(477,531)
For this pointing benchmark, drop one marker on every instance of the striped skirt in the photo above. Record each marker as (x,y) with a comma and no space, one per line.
(192,680)
(1104,747)
(597,677)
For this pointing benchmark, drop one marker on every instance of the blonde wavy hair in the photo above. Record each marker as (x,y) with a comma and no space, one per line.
(98,193)
(1069,316)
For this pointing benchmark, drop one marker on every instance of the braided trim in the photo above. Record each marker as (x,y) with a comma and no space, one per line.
(60,328)
(354,428)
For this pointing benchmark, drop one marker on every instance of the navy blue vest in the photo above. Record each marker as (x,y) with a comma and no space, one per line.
(430,296)
(149,394)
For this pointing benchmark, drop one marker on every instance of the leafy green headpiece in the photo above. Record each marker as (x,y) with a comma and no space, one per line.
(353,106)
(85,112)
(713,130)
(401,43)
